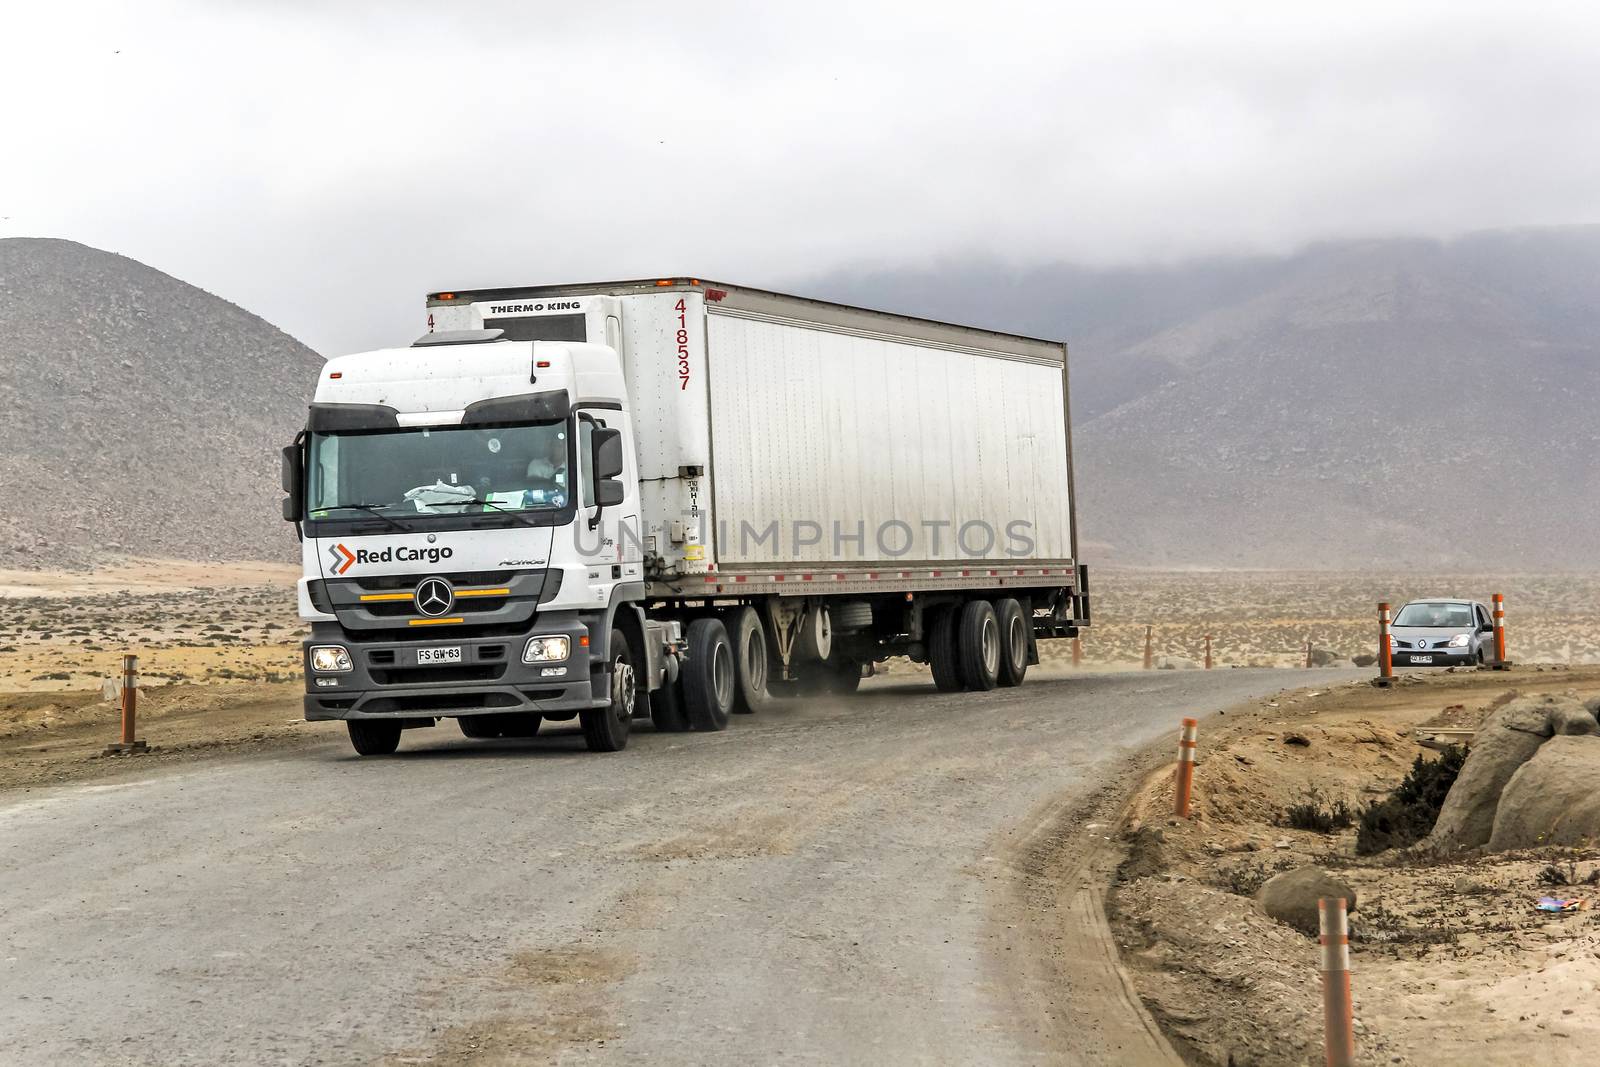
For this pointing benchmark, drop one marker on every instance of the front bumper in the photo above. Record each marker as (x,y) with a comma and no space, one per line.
(387,682)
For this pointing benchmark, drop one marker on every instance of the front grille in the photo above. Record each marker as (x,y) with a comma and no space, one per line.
(475,605)
(475,672)
(389,583)
(434,633)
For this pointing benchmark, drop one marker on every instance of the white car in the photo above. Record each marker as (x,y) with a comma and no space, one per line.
(1442,633)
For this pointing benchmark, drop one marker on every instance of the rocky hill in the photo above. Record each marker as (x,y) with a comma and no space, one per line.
(142,415)
(1361,403)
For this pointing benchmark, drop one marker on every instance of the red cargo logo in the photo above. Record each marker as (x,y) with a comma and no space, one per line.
(342,558)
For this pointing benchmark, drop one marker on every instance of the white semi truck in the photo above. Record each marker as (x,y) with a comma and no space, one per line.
(674,499)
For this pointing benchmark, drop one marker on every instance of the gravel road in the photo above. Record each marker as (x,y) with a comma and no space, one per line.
(822,883)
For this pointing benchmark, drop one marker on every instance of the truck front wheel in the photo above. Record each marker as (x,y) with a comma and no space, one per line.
(374,737)
(605,729)
(709,675)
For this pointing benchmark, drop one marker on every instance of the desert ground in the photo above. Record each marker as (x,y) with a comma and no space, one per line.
(1451,962)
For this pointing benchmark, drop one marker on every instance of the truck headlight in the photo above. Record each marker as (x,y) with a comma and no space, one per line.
(1460,640)
(546,649)
(330,659)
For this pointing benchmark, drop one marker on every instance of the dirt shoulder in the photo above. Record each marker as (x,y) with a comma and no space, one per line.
(1451,962)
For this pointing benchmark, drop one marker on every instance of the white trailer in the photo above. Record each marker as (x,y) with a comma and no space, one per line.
(800,488)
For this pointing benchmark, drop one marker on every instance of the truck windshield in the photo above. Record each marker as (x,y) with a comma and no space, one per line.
(437,471)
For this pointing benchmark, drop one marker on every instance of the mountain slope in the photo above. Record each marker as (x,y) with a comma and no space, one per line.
(143,415)
(1399,401)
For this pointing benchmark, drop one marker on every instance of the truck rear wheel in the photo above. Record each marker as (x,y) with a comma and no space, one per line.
(942,658)
(606,729)
(1013,641)
(709,677)
(374,737)
(666,708)
(750,653)
(978,643)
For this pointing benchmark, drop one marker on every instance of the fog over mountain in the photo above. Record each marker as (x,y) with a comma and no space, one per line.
(1358,403)
(142,414)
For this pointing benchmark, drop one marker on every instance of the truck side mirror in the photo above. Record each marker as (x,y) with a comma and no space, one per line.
(292,479)
(605,445)
(608,492)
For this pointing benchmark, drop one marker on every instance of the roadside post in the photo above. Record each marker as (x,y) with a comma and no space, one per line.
(1308,653)
(1077,652)
(1500,661)
(1385,654)
(1338,1015)
(130,709)
(1149,649)
(1187,741)
(1208,652)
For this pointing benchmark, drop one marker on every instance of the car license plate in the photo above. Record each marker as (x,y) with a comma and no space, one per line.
(1421,659)
(447,654)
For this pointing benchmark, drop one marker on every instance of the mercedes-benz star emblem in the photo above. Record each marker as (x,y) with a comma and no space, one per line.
(434,597)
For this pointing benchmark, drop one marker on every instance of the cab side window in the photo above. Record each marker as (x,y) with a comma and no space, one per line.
(586,461)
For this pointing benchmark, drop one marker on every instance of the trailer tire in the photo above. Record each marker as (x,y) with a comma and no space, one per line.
(750,653)
(1013,641)
(666,709)
(605,729)
(374,737)
(942,658)
(709,678)
(978,641)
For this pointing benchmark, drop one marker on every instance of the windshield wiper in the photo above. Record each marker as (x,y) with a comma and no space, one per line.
(478,500)
(375,510)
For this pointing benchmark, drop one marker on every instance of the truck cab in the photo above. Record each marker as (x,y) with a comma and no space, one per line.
(467,507)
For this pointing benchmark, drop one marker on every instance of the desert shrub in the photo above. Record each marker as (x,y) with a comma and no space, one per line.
(1311,814)
(1407,815)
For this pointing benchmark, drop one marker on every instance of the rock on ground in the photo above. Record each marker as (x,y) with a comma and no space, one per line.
(1291,897)
(1552,799)
(1505,741)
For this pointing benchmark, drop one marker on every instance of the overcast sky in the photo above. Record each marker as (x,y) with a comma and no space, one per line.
(325,164)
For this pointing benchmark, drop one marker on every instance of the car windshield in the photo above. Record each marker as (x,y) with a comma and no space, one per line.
(1443,616)
(437,471)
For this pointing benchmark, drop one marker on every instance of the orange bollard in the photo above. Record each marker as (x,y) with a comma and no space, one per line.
(1149,649)
(1077,651)
(1187,742)
(1385,652)
(1338,1011)
(130,710)
(1500,661)
(1208,652)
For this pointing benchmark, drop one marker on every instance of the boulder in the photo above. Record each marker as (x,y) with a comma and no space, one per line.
(1366,659)
(1175,663)
(1552,799)
(1322,657)
(1507,739)
(1291,897)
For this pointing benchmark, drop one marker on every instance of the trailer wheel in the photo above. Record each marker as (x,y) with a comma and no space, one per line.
(978,642)
(1013,641)
(750,653)
(606,729)
(374,737)
(942,658)
(709,678)
(666,708)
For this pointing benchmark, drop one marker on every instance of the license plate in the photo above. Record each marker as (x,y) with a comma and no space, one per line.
(1421,659)
(448,654)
